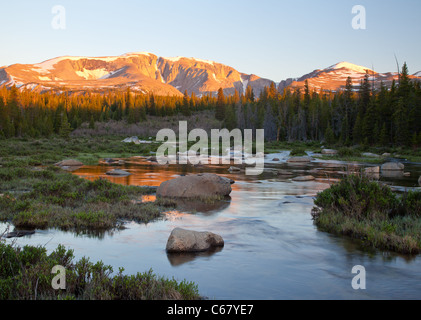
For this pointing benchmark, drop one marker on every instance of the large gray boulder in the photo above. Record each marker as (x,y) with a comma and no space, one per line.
(200,185)
(182,240)
(393,166)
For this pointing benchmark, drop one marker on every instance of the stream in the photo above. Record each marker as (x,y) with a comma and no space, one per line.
(272,248)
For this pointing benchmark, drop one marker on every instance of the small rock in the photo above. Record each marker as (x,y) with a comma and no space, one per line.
(303,178)
(69,163)
(393,166)
(370,155)
(275,159)
(419,180)
(152,159)
(386,154)
(182,240)
(407,174)
(19,233)
(118,172)
(284,173)
(133,139)
(372,170)
(329,151)
(235,169)
(299,159)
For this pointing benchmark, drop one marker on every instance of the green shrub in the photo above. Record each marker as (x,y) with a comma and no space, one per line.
(25,274)
(348,152)
(372,213)
(359,197)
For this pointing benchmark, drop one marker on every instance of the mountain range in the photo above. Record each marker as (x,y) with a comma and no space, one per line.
(145,72)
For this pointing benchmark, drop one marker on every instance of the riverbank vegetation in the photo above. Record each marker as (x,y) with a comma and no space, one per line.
(369,211)
(26,274)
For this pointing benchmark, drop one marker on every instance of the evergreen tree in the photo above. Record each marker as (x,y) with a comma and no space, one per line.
(329,136)
(249,96)
(220,106)
(358,129)
(230,118)
(65,128)
(185,107)
(384,136)
(401,122)
(92,123)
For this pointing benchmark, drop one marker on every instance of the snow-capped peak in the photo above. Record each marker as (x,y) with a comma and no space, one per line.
(349,66)
(136,54)
(175,59)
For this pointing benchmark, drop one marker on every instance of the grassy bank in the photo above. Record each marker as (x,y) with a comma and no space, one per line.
(36,194)
(88,150)
(371,212)
(26,274)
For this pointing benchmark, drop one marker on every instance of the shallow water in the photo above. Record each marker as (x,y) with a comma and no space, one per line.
(272,249)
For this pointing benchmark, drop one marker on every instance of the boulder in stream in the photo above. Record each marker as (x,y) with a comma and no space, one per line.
(393,166)
(202,185)
(182,240)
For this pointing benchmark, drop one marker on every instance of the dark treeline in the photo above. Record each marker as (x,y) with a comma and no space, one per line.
(382,116)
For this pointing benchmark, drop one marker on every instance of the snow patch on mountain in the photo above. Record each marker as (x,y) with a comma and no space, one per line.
(159,70)
(244,83)
(175,59)
(92,74)
(49,64)
(130,54)
(108,75)
(349,66)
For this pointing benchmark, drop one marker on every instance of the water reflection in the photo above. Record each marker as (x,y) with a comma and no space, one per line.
(206,207)
(177,259)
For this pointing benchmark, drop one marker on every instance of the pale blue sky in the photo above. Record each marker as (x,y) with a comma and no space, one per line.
(275,39)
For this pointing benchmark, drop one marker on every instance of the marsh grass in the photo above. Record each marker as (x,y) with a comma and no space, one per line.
(36,194)
(366,210)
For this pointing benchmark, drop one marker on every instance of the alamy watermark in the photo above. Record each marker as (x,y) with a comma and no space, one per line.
(59,280)
(359,21)
(358,282)
(220,150)
(59,19)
